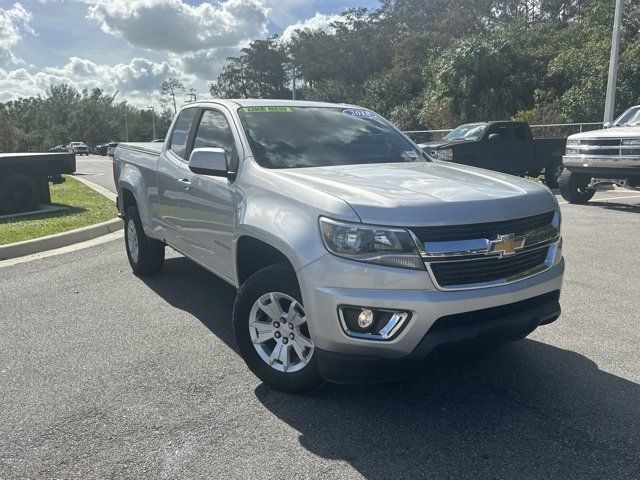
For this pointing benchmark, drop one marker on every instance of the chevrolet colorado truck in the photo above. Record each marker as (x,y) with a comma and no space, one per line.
(601,158)
(504,146)
(356,256)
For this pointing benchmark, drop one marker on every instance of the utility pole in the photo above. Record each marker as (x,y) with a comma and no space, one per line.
(153,121)
(610,102)
(293,83)
(126,126)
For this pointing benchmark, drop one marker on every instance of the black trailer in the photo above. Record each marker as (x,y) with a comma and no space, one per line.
(25,177)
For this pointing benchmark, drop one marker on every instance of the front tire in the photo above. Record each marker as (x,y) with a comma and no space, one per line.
(271,331)
(146,255)
(552,174)
(573,187)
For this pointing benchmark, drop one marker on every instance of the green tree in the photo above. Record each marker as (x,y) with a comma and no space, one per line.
(259,72)
(169,90)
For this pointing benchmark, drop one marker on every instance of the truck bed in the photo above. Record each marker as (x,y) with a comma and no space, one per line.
(153,148)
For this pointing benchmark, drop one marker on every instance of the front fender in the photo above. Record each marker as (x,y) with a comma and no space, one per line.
(289,228)
(284,214)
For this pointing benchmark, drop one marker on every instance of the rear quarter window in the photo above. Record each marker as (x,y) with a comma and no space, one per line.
(180,134)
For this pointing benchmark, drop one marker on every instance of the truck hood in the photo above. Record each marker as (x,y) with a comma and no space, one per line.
(615,132)
(427,193)
(441,144)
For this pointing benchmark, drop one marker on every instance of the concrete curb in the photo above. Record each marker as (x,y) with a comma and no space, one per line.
(64,239)
(94,186)
(59,240)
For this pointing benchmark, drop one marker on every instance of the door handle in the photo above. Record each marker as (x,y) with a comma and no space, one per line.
(186,183)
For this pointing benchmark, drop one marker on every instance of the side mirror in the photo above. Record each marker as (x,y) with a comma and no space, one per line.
(209,161)
(606,125)
(494,136)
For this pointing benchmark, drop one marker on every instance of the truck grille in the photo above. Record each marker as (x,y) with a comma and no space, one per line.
(487,269)
(611,147)
(482,230)
(482,254)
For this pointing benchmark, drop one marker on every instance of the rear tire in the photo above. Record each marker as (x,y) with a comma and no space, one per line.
(573,187)
(146,255)
(552,174)
(280,356)
(19,193)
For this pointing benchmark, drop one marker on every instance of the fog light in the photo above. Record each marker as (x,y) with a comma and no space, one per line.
(372,323)
(365,319)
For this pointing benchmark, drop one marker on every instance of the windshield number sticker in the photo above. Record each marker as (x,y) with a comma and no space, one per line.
(359,113)
(266,109)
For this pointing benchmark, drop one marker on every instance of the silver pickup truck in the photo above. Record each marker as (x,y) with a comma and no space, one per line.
(356,256)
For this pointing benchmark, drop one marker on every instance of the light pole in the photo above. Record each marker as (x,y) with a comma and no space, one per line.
(153,121)
(610,102)
(293,83)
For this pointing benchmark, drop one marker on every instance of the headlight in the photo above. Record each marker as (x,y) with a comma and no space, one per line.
(393,247)
(446,154)
(573,143)
(572,151)
(633,141)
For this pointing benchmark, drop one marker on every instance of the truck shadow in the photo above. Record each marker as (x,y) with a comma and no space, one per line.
(191,288)
(619,207)
(529,411)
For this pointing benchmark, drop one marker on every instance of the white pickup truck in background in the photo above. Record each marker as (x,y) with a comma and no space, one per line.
(602,158)
(356,255)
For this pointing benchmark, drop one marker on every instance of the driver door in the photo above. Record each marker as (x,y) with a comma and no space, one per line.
(205,206)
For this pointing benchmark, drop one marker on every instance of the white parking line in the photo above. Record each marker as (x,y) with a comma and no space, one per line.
(610,198)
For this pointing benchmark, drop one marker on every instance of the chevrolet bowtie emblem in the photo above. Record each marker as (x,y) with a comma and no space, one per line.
(506,245)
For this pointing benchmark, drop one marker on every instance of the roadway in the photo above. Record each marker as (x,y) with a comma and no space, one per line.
(97,169)
(106,375)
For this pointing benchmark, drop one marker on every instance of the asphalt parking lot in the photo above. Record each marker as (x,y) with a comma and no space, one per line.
(105,375)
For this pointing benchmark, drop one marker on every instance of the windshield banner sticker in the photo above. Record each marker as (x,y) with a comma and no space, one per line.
(266,109)
(359,113)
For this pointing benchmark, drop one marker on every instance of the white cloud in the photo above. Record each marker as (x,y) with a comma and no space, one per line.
(318,22)
(14,23)
(175,26)
(203,64)
(140,79)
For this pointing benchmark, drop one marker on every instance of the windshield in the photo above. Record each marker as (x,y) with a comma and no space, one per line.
(630,117)
(468,131)
(294,137)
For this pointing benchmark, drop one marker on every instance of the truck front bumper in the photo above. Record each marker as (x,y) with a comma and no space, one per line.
(439,320)
(601,165)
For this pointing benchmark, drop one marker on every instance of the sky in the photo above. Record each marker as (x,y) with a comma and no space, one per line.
(131,46)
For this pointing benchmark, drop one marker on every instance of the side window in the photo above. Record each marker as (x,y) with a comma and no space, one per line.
(180,134)
(501,130)
(214,131)
(518,132)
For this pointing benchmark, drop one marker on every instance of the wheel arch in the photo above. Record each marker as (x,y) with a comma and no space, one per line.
(254,254)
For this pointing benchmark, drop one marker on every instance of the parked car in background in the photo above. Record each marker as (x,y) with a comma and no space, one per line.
(111,148)
(101,149)
(59,148)
(79,148)
(356,255)
(602,158)
(507,147)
